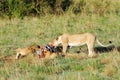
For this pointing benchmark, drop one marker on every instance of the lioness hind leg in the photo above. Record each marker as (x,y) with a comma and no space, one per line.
(91,52)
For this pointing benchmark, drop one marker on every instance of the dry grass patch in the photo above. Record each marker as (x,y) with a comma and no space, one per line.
(106,60)
(110,70)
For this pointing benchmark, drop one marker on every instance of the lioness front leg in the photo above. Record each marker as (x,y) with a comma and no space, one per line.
(64,48)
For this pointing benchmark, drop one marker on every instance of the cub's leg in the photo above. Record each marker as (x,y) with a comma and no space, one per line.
(18,55)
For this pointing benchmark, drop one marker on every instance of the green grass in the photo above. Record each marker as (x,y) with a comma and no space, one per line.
(21,33)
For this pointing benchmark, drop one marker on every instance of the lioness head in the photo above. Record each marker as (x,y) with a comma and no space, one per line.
(56,41)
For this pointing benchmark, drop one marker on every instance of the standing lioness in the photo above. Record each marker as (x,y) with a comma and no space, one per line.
(77,40)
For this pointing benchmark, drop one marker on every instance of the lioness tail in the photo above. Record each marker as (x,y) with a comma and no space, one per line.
(102,44)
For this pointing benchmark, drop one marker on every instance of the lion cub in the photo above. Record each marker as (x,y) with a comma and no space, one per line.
(27,50)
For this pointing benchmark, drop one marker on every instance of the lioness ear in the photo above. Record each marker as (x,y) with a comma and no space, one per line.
(57,38)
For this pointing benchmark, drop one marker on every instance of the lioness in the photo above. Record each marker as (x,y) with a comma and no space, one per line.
(27,50)
(77,40)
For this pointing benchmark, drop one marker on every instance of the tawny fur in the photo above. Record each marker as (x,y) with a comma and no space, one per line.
(26,51)
(77,40)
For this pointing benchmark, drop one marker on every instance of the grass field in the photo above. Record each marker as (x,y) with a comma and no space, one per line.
(16,33)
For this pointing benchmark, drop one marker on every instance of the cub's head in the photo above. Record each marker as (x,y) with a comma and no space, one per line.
(56,41)
(34,48)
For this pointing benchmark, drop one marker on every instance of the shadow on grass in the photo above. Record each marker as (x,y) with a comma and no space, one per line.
(100,50)
(106,49)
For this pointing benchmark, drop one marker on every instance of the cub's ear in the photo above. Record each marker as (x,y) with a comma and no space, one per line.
(38,46)
(110,42)
(32,49)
